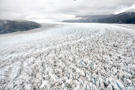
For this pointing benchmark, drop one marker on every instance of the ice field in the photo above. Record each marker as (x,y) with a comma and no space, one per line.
(77,56)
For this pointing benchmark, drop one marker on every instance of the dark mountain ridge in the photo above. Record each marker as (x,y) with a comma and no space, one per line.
(126,17)
(8,26)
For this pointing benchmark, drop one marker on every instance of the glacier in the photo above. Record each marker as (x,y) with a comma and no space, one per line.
(75,56)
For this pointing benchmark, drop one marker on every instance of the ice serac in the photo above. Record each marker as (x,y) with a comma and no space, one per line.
(69,57)
(8,26)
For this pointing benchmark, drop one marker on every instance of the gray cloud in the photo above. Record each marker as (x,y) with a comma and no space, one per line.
(56,10)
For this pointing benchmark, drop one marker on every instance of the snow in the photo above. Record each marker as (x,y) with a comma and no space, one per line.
(69,57)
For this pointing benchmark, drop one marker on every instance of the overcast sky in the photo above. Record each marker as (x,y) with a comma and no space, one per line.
(57,10)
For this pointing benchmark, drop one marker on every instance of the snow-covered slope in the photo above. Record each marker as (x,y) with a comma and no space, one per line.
(69,57)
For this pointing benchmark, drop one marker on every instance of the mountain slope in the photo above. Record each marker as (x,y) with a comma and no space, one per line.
(126,17)
(8,26)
